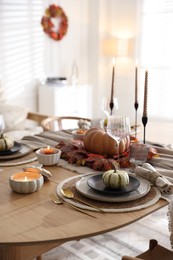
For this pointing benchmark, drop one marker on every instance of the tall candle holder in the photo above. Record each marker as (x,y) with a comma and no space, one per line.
(136,104)
(111,104)
(144,117)
(144,121)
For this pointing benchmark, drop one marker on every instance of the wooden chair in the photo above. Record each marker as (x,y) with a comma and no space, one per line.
(155,252)
(64,122)
(36,117)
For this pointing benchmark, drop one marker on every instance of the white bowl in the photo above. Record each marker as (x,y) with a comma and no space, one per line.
(48,159)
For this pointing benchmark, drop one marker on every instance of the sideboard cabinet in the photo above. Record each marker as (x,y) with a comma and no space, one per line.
(68,100)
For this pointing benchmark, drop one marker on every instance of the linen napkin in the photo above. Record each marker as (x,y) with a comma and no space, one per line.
(163,183)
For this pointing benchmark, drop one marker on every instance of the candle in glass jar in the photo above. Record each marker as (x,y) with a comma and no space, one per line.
(145,94)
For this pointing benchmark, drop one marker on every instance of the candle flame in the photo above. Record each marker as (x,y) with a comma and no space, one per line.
(25,179)
(49,150)
(113,60)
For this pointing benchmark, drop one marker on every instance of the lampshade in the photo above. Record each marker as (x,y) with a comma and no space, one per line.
(115,47)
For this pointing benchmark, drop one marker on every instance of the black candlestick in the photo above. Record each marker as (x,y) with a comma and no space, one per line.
(136,108)
(111,104)
(144,121)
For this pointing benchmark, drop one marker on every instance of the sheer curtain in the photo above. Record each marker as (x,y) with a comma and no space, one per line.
(156,55)
(21,44)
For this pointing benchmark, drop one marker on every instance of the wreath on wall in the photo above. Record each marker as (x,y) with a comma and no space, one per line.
(54,11)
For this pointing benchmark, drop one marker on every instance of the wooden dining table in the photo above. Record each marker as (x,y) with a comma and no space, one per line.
(31,224)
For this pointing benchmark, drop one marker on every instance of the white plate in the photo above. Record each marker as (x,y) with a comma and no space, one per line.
(83,188)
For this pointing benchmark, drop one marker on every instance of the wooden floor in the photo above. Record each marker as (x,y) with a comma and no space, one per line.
(130,240)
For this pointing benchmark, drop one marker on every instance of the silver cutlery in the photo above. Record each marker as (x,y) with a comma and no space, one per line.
(70,195)
(58,201)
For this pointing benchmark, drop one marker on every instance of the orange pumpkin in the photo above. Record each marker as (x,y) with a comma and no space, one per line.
(96,140)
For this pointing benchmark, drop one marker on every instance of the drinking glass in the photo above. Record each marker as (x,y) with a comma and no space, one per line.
(117,128)
(2,125)
(105,106)
(138,153)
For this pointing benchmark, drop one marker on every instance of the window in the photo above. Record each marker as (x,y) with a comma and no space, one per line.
(21,44)
(156,55)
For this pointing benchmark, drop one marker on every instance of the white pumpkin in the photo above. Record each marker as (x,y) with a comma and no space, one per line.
(33,182)
(115,179)
(6,143)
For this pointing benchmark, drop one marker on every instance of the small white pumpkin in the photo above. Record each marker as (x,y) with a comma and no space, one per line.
(6,143)
(115,179)
(26,182)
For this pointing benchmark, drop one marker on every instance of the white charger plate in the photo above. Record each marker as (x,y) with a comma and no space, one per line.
(83,188)
(145,184)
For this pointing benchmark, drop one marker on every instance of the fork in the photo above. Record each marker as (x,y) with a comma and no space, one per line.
(58,201)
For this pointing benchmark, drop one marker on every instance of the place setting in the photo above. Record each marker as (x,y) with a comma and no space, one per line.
(140,191)
(127,192)
(11,150)
(89,188)
(138,187)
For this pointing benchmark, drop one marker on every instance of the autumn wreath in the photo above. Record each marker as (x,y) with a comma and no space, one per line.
(54,11)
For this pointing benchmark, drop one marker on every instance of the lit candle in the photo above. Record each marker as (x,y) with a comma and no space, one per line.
(136,84)
(113,76)
(145,94)
(81,131)
(48,150)
(26,182)
(22,178)
(48,156)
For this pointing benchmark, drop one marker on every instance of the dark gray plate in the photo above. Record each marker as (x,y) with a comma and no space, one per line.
(96,183)
(14,149)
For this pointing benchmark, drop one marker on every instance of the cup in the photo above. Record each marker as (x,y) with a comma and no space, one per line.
(138,153)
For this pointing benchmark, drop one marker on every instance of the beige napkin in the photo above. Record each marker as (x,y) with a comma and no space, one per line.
(164,184)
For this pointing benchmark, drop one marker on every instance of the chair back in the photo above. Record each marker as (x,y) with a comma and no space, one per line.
(63,122)
(155,252)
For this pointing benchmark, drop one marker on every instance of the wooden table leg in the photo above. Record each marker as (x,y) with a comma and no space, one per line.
(7,253)
(39,257)
(25,252)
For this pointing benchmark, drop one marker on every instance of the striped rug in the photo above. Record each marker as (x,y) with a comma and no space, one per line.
(130,240)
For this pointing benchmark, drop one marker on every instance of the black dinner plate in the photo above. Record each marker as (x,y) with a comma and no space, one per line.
(14,149)
(95,182)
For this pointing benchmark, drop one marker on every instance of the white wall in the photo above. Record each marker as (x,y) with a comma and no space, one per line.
(60,55)
(120,22)
(89,23)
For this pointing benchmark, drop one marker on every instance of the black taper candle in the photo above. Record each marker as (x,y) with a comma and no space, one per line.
(136,104)
(112,88)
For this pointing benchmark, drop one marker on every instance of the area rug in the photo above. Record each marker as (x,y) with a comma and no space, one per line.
(130,240)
